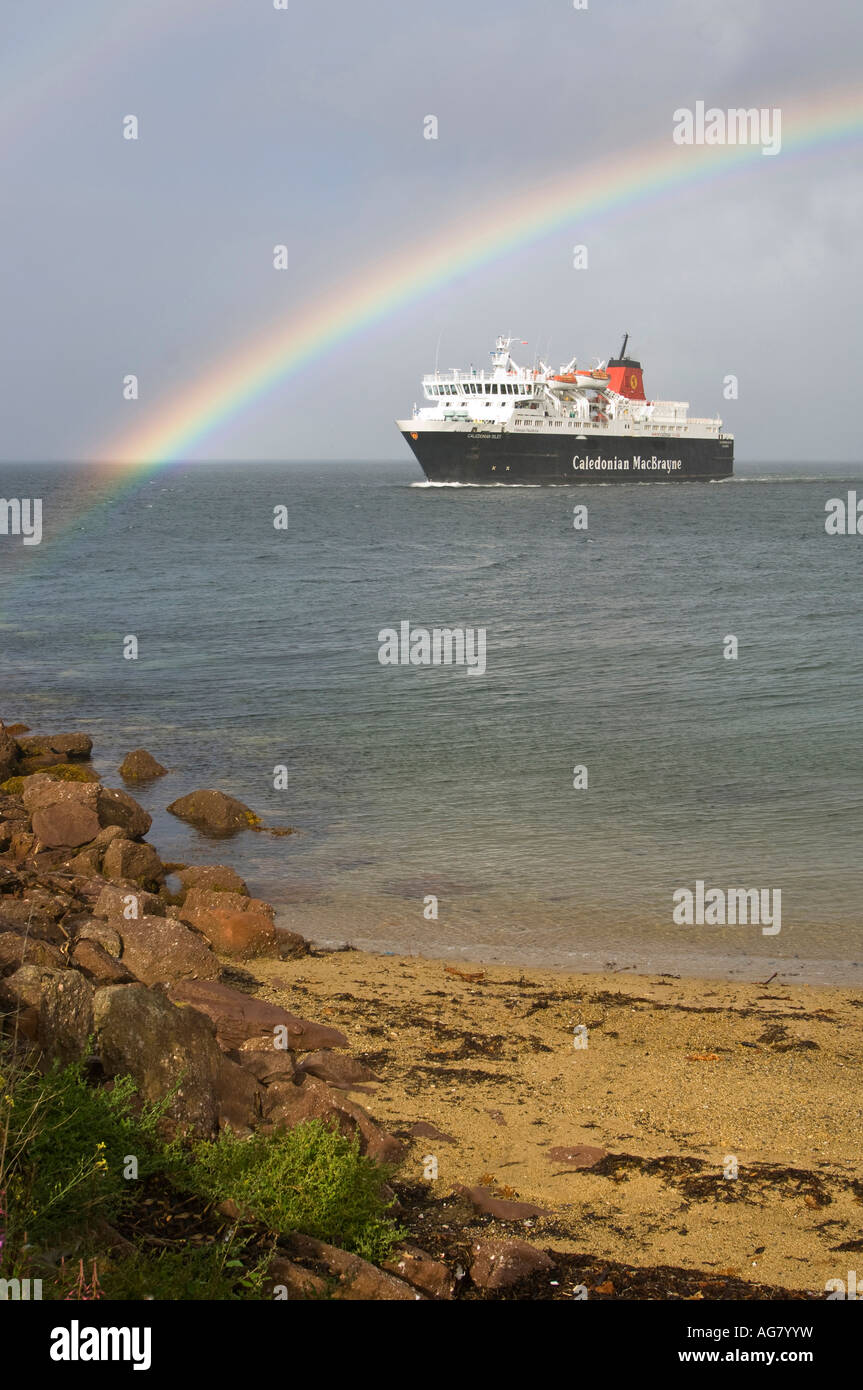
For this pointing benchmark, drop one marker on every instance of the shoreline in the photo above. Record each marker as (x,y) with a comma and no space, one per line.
(677,1076)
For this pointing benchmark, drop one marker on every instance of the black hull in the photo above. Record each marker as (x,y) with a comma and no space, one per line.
(543,459)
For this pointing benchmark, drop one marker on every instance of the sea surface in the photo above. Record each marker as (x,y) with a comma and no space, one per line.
(258,649)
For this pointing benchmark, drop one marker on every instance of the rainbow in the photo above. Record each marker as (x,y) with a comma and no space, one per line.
(221,393)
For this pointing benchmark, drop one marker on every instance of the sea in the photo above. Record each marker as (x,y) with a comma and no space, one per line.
(552,809)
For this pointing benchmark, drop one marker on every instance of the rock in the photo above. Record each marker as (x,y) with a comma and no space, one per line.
(241,935)
(17,949)
(8,754)
(40,791)
(217,878)
(66,823)
(290,945)
(267,1066)
(162,950)
(357,1279)
(501,1210)
(119,808)
(64,1001)
(337,1069)
(578,1155)
(423,1130)
(88,862)
(116,902)
(24,916)
(288,1105)
(498,1264)
(103,934)
(104,838)
(421,1271)
(200,899)
(97,964)
(139,1031)
(214,812)
(239,1017)
(71,746)
(286,1280)
(141,766)
(132,861)
(238,1098)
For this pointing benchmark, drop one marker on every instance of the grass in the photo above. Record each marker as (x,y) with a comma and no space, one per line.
(65,1173)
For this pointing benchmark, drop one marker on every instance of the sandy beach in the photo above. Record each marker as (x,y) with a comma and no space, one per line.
(677,1079)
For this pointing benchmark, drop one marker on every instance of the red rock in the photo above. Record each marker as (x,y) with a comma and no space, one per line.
(421,1271)
(64,1001)
(216,878)
(288,1105)
(242,935)
(578,1155)
(290,945)
(119,808)
(17,949)
(357,1279)
(66,823)
(100,967)
(498,1264)
(238,1098)
(239,1017)
(268,1066)
(201,899)
(286,1280)
(160,949)
(337,1069)
(484,1201)
(129,861)
(115,902)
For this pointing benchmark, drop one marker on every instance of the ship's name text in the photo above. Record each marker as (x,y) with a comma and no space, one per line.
(617,465)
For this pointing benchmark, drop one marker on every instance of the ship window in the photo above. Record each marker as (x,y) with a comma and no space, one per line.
(494,390)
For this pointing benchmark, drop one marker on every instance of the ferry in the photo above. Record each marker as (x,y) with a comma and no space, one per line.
(540,426)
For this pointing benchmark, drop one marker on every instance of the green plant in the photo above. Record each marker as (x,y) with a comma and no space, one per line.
(215,1273)
(64,1146)
(310,1179)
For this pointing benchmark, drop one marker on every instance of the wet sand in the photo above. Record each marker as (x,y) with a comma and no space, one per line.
(678,1076)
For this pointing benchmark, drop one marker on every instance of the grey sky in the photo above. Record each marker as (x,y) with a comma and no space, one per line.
(306,127)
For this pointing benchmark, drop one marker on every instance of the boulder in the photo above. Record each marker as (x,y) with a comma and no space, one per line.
(498,1264)
(69,746)
(140,1032)
(287,1105)
(286,1280)
(63,1000)
(119,808)
(67,823)
(97,964)
(202,900)
(421,1271)
(106,936)
(217,878)
(337,1069)
(483,1199)
(241,935)
(290,945)
(162,950)
(132,861)
(141,766)
(239,1017)
(40,791)
(357,1279)
(17,949)
(274,1065)
(214,812)
(238,1098)
(116,902)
